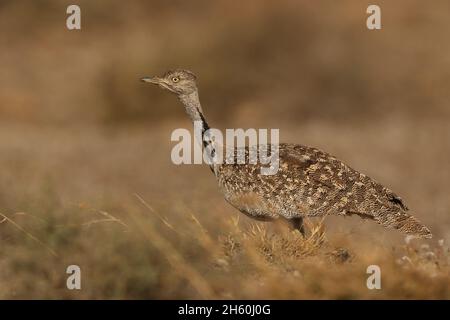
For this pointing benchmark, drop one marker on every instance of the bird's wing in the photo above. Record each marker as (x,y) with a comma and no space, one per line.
(335,187)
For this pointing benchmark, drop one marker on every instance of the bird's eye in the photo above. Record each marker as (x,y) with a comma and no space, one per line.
(175,79)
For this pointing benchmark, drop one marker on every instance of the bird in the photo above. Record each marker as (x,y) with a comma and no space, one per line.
(308,183)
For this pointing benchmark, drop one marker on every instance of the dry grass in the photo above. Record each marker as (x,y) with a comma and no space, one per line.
(136,237)
(145,258)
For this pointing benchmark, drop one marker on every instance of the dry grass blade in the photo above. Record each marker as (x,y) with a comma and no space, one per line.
(317,234)
(204,238)
(166,223)
(109,218)
(5,218)
(197,222)
(30,215)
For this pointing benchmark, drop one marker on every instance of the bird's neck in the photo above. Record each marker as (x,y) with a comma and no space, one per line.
(193,108)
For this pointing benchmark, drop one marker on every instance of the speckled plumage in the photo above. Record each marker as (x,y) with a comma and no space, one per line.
(312,183)
(308,183)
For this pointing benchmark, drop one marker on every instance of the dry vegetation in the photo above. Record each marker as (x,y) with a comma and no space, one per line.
(85,149)
(140,227)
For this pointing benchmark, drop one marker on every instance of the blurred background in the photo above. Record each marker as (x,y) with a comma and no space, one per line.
(79,134)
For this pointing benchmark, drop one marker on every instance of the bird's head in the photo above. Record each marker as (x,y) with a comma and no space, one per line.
(180,82)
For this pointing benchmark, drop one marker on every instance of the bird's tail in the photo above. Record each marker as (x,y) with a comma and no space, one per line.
(405,223)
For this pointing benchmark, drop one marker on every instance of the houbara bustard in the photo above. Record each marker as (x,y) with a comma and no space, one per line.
(308,183)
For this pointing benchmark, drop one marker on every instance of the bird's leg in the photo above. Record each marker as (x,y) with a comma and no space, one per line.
(297,224)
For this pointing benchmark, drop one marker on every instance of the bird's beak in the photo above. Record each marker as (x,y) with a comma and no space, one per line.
(154,80)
